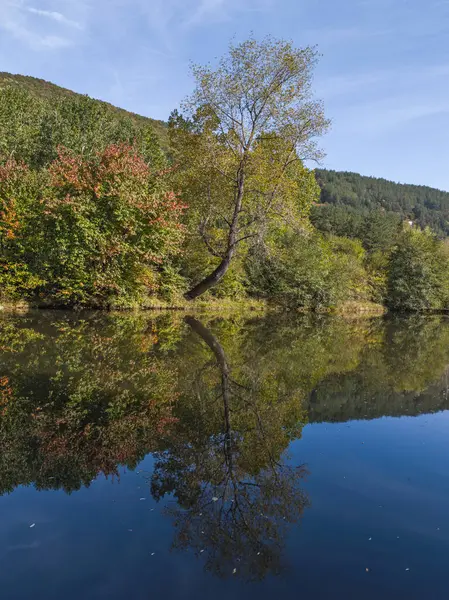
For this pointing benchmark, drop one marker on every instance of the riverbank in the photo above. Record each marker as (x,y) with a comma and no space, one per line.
(211,305)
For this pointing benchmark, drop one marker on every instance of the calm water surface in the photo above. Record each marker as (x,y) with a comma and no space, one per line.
(171,457)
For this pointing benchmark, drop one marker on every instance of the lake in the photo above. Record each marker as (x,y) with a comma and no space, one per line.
(164,456)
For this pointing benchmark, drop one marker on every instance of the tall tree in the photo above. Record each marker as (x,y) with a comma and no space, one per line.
(241,142)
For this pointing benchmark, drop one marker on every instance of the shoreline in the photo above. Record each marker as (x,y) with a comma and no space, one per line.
(201,306)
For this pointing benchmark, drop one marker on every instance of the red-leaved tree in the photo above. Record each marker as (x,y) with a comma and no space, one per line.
(94,231)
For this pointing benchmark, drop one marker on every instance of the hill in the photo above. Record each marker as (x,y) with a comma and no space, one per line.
(347,198)
(51,93)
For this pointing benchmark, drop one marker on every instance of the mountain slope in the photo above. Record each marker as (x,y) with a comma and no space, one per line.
(48,91)
(358,195)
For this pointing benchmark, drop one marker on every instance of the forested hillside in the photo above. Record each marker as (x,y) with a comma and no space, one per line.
(54,94)
(346,198)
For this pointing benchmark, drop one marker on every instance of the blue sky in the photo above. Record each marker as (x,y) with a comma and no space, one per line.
(384,74)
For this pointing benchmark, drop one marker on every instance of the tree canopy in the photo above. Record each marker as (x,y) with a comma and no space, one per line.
(241,142)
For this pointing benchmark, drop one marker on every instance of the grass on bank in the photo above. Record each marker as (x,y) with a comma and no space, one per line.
(212,305)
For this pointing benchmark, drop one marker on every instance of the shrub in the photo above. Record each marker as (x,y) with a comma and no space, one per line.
(418,274)
(87,230)
(307,271)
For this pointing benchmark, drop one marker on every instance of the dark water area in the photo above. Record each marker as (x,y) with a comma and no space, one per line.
(179,457)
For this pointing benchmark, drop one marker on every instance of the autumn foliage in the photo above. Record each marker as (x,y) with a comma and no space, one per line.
(93,230)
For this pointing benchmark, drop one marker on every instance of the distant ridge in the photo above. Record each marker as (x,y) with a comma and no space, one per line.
(423,205)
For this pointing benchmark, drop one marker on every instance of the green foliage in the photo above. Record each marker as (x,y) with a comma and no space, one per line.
(401,371)
(217,404)
(359,195)
(20,124)
(79,399)
(39,99)
(378,230)
(418,276)
(308,270)
(82,394)
(240,145)
(406,269)
(376,265)
(196,262)
(86,231)
(88,216)
(32,128)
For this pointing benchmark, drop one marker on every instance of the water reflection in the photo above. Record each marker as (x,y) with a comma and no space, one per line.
(217,402)
(224,465)
(77,399)
(403,370)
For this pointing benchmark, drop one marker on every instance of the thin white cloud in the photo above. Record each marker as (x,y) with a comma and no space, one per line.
(53,42)
(379,118)
(170,19)
(409,19)
(342,85)
(34,40)
(329,36)
(53,15)
(397,116)
(38,28)
(206,10)
(402,22)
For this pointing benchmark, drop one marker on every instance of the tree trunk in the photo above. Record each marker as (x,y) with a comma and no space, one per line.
(213,278)
(222,362)
(211,341)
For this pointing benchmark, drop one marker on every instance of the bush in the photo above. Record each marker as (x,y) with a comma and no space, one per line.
(418,274)
(308,271)
(86,231)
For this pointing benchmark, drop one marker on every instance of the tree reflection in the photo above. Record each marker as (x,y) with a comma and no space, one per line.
(79,398)
(403,373)
(217,405)
(235,493)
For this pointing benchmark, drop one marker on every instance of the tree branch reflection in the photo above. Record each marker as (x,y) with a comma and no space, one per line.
(236,494)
